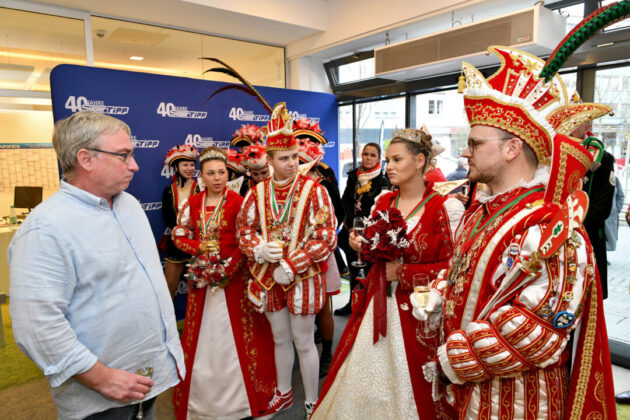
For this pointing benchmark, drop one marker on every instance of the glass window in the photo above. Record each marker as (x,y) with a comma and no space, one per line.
(615,132)
(353,72)
(153,49)
(31,44)
(624,23)
(574,15)
(444,116)
(345,145)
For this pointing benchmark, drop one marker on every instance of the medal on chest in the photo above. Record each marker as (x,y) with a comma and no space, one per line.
(279,228)
(210,226)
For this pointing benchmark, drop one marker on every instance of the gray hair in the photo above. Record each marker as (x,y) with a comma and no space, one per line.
(81,131)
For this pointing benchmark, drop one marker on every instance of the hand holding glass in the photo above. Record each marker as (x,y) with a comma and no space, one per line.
(358,225)
(147,372)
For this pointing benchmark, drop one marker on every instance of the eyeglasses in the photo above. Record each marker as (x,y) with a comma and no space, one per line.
(473,143)
(125,156)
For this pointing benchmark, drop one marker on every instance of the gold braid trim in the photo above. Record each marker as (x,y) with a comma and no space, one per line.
(587,356)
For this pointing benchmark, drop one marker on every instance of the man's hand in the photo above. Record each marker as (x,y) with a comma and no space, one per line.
(272,251)
(115,384)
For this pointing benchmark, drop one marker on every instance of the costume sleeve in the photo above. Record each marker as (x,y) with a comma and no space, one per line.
(183,234)
(42,285)
(248,225)
(321,238)
(233,251)
(168,209)
(529,327)
(444,222)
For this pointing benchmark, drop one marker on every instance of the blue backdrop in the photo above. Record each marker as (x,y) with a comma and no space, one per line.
(164,111)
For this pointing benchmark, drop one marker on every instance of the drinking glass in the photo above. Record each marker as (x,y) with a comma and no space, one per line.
(148,372)
(358,224)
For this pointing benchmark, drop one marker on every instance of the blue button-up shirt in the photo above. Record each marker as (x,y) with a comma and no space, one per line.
(86,284)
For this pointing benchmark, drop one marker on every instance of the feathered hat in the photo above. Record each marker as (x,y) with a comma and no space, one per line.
(235,161)
(180,152)
(246,135)
(279,130)
(305,128)
(309,151)
(255,156)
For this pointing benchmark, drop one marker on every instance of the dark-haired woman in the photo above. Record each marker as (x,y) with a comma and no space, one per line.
(230,371)
(182,159)
(384,379)
(364,185)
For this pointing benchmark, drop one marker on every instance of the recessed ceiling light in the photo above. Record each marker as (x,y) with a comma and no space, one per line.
(136,57)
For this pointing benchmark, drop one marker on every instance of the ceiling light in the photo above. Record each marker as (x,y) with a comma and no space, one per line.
(136,58)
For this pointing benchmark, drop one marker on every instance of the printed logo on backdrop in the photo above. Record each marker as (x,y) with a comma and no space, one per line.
(156,205)
(200,142)
(169,171)
(81,103)
(240,114)
(144,144)
(168,109)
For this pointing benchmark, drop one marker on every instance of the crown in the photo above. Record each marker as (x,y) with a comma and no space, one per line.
(248,133)
(414,135)
(305,127)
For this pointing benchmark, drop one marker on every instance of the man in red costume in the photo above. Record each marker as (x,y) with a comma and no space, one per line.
(522,282)
(287,231)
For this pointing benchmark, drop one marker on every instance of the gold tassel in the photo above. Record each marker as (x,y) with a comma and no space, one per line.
(461,85)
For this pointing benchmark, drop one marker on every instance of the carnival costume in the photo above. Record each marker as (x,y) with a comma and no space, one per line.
(523,277)
(227,344)
(384,379)
(172,202)
(296,216)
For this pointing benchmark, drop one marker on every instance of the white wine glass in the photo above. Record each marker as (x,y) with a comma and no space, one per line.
(358,224)
(147,372)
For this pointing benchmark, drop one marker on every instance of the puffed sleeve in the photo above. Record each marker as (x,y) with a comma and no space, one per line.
(248,225)
(323,239)
(183,234)
(529,327)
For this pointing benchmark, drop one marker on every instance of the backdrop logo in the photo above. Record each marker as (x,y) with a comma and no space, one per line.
(81,103)
(168,109)
(144,144)
(330,144)
(200,142)
(156,205)
(239,114)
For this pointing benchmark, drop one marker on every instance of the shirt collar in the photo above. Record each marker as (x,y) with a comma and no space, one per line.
(84,196)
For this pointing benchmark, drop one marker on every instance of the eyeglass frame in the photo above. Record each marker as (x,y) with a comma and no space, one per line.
(471,146)
(125,156)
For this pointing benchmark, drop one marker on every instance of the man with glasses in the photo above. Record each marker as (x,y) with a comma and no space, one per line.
(522,277)
(89,302)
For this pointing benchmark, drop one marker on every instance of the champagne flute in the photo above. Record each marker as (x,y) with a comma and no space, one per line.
(358,224)
(422,291)
(147,372)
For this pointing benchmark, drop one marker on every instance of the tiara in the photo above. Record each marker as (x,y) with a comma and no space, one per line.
(213,154)
(411,134)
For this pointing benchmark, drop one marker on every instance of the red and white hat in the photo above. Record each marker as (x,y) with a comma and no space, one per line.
(255,156)
(180,152)
(309,151)
(235,161)
(246,135)
(305,128)
(279,130)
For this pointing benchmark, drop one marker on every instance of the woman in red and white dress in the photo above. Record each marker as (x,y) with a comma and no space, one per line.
(384,379)
(228,347)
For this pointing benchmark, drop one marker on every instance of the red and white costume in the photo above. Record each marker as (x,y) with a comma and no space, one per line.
(522,282)
(384,380)
(311,237)
(227,344)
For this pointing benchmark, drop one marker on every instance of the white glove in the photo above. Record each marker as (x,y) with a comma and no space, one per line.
(421,313)
(282,274)
(268,252)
